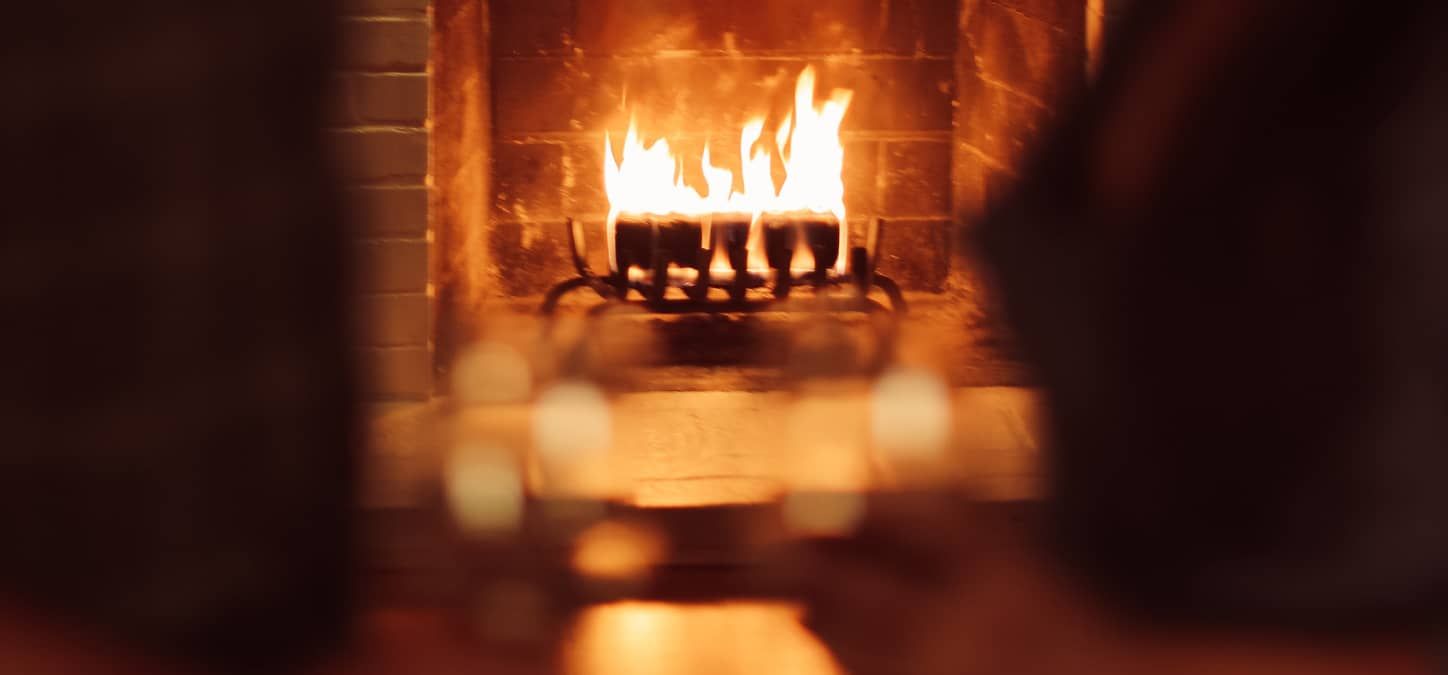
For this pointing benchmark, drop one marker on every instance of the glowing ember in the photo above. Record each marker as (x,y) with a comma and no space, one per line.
(647,178)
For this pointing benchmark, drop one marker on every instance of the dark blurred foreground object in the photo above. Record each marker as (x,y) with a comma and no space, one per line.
(1231,268)
(176,463)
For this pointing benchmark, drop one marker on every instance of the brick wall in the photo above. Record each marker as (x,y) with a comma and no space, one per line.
(380,134)
(560,69)
(1018,60)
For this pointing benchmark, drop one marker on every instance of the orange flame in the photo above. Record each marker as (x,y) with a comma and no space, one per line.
(645,178)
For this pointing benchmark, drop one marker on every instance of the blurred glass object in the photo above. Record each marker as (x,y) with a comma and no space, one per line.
(484,490)
(823,514)
(910,423)
(572,434)
(491,373)
(643,638)
(618,551)
(827,464)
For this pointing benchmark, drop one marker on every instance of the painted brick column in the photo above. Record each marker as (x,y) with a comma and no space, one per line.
(381,135)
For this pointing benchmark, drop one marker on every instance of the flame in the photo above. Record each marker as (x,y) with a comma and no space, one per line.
(646,177)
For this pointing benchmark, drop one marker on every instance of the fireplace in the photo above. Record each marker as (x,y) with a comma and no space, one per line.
(481,138)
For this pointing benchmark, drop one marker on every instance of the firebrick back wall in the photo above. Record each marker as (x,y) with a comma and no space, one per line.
(562,70)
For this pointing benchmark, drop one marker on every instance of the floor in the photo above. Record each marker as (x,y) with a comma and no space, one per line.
(728,525)
(694,448)
(636,638)
(729,479)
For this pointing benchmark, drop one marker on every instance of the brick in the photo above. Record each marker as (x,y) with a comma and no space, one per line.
(999,123)
(895,95)
(917,178)
(391,266)
(551,95)
(862,168)
(367,155)
(528,181)
(530,257)
(651,26)
(595,243)
(968,178)
(369,6)
(389,211)
(922,27)
(890,95)
(766,26)
(679,95)
(1065,15)
(393,320)
(533,27)
(583,178)
(916,253)
(404,373)
(1025,54)
(550,261)
(389,99)
(532,95)
(810,26)
(384,44)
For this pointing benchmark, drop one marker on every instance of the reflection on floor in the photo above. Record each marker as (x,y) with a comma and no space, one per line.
(700,448)
(646,638)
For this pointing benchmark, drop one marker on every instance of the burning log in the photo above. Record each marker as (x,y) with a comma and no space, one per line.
(633,243)
(792,246)
(731,232)
(822,236)
(637,237)
(780,239)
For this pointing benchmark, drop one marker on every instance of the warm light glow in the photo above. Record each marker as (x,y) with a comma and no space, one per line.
(492,372)
(573,432)
(571,420)
(827,463)
(647,177)
(484,490)
(910,415)
(649,638)
(617,551)
(823,514)
(826,451)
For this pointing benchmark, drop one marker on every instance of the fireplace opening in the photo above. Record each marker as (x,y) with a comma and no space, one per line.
(677,151)
(695,255)
(693,207)
(695,265)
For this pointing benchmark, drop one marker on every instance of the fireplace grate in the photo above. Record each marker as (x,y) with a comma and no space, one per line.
(652,256)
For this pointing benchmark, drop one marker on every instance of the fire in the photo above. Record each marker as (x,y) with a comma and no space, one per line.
(647,177)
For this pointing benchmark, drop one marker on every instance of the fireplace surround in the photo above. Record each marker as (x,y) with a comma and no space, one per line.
(472,131)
